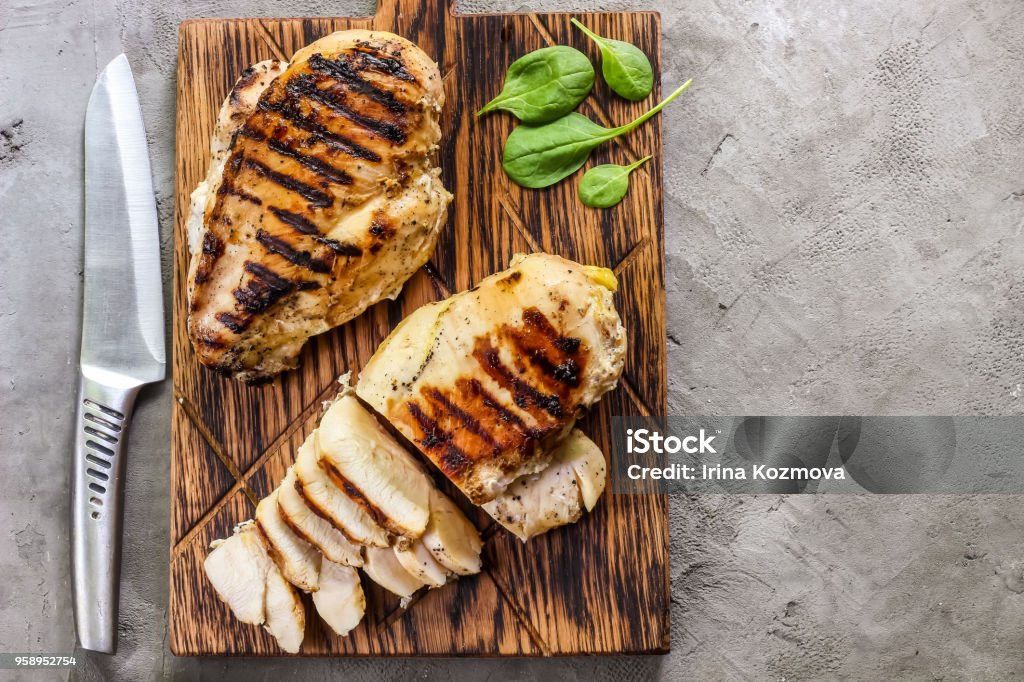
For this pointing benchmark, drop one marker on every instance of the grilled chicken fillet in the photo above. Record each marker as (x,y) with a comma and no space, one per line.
(321,198)
(487,382)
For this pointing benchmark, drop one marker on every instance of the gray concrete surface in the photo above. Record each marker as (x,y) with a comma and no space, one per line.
(845,201)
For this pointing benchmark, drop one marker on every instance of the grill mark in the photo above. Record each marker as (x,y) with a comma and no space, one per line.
(433,435)
(251,133)
(471,423)
(263,290)
(522,392)
(315,508)
(389,65)
(356,495)
(296,221)
(453,461)
(295,528)
(567,371)
(209,340)
(320,133)
(322,168)
(506,415)
(236,323)
(315,197)
(305,86)
(536,319)
(305,226)
(227,186)
(341,248)
(341,70)
(291,254)
(245,80)
(261,531)
(568,344)
(213,248)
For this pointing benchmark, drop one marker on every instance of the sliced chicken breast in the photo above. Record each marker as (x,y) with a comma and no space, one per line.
(312,527)
(555,496)
(298,560)
(340,600)
(450,537)
(489,379)
(321,199)
(587,463)
(286,618)
(321,493)
(247,580)
(384,569)
(421,564)
(373,469)
(237,568)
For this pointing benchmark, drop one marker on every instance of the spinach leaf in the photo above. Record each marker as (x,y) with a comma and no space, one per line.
(606,185)
(544,85)
(539,156)
(625,67)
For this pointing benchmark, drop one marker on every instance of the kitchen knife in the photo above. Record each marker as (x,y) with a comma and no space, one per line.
(122,341)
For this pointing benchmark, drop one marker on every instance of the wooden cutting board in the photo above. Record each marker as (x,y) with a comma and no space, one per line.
(600,586)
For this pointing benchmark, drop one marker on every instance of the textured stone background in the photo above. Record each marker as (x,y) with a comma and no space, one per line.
(845,201)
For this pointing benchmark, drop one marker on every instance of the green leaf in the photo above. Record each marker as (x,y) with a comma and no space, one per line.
(540,156)
(606,185)
(544,85)
(625,67)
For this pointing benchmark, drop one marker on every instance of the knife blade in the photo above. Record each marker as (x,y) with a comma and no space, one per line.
(122,340)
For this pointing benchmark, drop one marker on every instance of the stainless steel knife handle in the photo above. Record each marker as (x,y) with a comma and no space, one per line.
(101,430)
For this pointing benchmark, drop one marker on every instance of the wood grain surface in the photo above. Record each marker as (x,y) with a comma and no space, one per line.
(597,587)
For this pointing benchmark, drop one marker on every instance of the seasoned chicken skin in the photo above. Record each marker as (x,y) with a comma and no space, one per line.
(321,198)
(486,382)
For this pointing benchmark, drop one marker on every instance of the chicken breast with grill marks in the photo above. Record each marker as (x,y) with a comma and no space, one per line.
(321,198)
(487,382)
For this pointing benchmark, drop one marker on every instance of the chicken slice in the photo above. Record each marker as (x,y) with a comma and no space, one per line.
(384,569)
(324,497)
(587,463)
(373,469)
(488,380)
(313,528)
(286,619)
(237,568)
(555,496)
(340,600)
(298,560)
(421,564)
(247,580)
(450,537)
(322,198)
